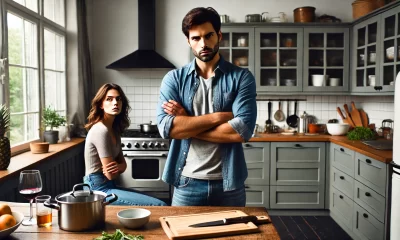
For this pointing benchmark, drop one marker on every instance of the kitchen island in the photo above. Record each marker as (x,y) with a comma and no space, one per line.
(151,231)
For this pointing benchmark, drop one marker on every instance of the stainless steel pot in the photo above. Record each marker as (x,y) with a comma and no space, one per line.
(81,210)
(148,128)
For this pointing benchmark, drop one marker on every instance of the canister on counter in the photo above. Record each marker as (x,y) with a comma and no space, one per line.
(303,123)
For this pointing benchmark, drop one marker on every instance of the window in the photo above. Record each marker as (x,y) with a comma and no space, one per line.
(35,49)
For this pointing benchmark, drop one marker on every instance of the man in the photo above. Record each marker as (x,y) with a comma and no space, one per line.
(208,108)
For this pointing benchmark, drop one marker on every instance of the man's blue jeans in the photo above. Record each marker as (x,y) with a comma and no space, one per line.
(196,192)
(97,181)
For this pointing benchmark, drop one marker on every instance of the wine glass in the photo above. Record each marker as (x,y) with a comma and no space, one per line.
(30,185)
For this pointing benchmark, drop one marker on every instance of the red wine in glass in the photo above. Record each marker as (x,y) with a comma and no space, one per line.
(30,193)
(30,185)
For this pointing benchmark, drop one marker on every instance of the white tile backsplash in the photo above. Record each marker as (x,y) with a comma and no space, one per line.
(143,91)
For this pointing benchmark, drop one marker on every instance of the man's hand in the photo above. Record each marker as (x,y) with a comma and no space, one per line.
(174,108)
(111,168)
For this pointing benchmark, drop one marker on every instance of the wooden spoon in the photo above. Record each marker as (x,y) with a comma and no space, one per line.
(279,115)
(355,115)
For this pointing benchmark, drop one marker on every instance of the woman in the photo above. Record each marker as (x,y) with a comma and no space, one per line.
(104,161)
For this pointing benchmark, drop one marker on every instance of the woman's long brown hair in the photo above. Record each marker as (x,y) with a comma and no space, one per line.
(96,114)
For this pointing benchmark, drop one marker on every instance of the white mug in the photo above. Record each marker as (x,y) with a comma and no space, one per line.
(334,82)
(371,80)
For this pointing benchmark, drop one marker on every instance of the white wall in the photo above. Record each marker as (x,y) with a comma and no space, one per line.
(113,34)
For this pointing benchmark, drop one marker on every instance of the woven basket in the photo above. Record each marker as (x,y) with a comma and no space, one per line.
(363,7)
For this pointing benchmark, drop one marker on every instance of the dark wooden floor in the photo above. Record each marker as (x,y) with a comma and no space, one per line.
(308,227)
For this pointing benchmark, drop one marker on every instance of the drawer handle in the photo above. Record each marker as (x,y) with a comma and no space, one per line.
(341,177)
(297,145)
(368,194)
(365,215)
(247,145)
(368,161)
(341,197)
(341,149)
(245,186)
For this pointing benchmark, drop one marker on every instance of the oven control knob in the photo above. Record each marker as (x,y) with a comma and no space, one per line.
(137,145)
(128,145)
(151,145)
(122,145)
(144,145)
(163,145)
(157,145)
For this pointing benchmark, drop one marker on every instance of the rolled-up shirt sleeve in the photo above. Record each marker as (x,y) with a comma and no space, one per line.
(244,107)
(168,91)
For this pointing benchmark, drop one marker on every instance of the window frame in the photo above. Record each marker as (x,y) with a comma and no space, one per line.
(42,23)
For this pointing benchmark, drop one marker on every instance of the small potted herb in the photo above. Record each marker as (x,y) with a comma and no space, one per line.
(51,119)
(361,133)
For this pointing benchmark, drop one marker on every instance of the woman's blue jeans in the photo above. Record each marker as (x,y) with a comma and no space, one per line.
(97,181)
(196,192)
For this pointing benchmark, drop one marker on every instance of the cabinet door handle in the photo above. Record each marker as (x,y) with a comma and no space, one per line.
(368,161)
(341,149)
(298,145)
(341,177)
(368,194)
(247,145)
(246,186)
(340,196)
(365,215)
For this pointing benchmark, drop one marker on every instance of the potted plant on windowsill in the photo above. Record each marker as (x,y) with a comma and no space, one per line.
(5,149)
(51,119)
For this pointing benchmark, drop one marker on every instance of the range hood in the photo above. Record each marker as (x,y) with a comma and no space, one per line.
(145,56)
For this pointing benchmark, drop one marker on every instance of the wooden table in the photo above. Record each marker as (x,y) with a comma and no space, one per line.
(151,231)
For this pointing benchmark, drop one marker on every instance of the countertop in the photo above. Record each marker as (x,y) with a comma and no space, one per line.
(152,230)
(385,156)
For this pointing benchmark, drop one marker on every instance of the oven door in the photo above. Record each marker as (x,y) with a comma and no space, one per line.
(144,171)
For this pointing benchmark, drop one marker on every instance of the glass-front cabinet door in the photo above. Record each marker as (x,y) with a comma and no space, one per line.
(326,60)
(237,46)
(366,42)
(390,49)
(278,59)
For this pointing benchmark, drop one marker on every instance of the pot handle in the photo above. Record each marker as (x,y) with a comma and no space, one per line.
(51,205)
(115,198)
(81,185)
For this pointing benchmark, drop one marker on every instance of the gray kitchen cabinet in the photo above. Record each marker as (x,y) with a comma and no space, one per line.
(342,158)
(374,71)
(326,52)
(237,46)
(358,183)
(366,226)
(390,48)
(257,155)
(297,175)
(278,59)
(342,207)
(257,196)
(371,173)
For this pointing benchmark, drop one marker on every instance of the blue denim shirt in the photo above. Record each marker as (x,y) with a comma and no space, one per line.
(234,91)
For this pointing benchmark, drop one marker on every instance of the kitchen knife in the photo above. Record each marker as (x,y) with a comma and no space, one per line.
(226,221)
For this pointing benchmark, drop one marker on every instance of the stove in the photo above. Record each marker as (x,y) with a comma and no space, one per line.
(145,155)
(135,140)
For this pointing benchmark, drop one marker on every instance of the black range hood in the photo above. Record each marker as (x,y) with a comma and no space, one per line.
(145,56)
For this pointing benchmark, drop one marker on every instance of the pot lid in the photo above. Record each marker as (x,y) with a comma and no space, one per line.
(81,196)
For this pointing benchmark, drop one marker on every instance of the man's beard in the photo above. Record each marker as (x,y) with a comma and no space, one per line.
(210,56)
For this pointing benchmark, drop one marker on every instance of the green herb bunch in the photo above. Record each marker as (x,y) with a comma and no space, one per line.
(361,133)
(118,235)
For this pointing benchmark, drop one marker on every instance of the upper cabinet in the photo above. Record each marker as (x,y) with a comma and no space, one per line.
(278,62)
(326,60)
(237,46)
(376,55)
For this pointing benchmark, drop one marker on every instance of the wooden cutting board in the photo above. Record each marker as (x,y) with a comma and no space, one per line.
(177,227)
(355,115)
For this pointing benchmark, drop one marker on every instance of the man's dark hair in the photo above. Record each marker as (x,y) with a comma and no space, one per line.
(198,16)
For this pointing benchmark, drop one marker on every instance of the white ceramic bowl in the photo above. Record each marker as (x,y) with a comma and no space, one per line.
(18,217)
(318,80)
(337,128)
(134,217)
